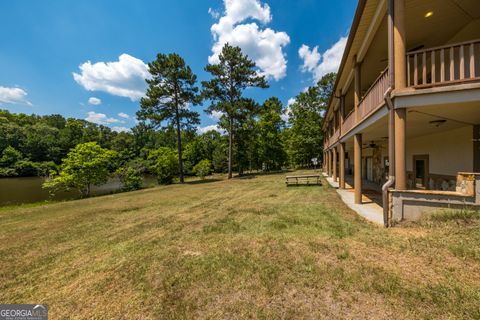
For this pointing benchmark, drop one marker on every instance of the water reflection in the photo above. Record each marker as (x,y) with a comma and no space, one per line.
(29,190)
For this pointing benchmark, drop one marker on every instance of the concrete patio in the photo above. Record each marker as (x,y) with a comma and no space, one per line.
(370,208)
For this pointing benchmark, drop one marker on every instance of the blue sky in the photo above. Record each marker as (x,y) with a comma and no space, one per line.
(106,43)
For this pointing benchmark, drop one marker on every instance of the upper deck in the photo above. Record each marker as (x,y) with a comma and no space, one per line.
(442,52)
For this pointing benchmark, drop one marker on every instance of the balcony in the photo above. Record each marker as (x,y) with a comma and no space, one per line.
(374,97)
(457,63)
(348,123)
(445,65)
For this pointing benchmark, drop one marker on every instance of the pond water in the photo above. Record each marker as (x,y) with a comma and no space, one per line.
(29,190)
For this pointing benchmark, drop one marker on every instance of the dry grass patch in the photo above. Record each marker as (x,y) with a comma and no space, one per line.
(246,248)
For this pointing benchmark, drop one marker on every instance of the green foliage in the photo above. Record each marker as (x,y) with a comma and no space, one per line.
(203,168)
(231,76)
(10,156)
(170,90)
(130,177)
(305,136)
(270,139)
(86,165)
(163,163)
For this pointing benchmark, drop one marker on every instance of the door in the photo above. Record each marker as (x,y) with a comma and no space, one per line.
(420,171)
(369,167)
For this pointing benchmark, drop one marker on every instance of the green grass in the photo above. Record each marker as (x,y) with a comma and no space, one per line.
(246,248)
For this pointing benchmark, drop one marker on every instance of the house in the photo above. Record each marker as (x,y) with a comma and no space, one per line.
(404,118)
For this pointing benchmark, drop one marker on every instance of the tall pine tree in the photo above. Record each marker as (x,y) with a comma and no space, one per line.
(231,76)
(171,91)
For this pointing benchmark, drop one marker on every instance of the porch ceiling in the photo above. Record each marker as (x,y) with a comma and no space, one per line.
(424,120)
(449,17)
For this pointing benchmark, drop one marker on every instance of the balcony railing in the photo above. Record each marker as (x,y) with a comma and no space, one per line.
(444,65)
(335,136)
(349,122)
(374,96)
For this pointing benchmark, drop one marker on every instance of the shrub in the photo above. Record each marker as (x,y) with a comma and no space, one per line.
(203,168)
(86,165)
(10,156)
(164,164)
(26,168)
(130,178)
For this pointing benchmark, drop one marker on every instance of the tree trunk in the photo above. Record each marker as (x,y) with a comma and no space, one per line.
(179,147)
(230,145)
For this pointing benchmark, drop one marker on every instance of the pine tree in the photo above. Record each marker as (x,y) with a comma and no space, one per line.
(171,91)
(231,76)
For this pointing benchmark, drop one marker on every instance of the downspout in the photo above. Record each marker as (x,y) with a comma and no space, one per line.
(391,158)
(391,120)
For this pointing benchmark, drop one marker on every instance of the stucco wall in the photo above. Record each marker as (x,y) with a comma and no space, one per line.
(449,152)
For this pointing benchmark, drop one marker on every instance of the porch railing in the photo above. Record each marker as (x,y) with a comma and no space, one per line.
(335,136)
(349,122)
(450,64)
(374,96)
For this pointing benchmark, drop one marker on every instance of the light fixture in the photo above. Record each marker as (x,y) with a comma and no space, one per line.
(428,14)
(438,123)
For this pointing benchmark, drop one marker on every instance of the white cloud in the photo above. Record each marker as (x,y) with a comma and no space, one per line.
(13,96)
(216,115)
(100,118)
(124,78)
(214,13)
(94,101)
(123,115)
(214,127)
(285,116)
(320,64)
(264,46)
(120,129)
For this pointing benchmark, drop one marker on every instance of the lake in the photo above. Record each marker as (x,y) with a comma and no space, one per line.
(29,190)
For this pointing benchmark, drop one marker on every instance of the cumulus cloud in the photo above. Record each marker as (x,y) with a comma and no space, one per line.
(120,129)
(264,46)
(94,101)
(319,64)
(13,96)
(214,13)
(285,116)
(216,115)
(123,115)
(124,78)
(213,127)
(100,118)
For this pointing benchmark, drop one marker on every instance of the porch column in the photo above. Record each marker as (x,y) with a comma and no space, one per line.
(399,43)
(357,150)
(400,166)
(357,92)
(342,112)
(342,166)
(328,163)
(334,176)
(331,163)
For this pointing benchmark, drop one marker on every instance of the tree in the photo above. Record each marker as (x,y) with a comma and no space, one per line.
(270,138)
(231,76)
(10,156)
(203,168)
(86,165)
(170,92)
(305,136)
(130,177)
(163,163)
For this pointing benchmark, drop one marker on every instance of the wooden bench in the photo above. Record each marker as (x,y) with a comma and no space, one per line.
(300,180)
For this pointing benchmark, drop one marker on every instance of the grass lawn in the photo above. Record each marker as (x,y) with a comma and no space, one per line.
(246,248)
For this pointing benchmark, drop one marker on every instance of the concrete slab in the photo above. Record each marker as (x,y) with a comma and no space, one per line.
(368,209)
